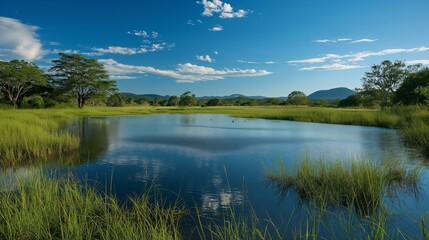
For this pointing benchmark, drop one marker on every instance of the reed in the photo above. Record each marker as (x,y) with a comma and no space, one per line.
(360,184)
(45,208)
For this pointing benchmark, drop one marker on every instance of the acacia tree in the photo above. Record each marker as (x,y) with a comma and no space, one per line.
(17,78)
(84,78)
(187,99)
(297,98)
(386,78)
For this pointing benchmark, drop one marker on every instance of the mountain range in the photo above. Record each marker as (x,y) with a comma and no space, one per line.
(330,94)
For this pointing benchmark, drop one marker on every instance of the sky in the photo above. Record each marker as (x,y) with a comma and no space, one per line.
(217,48)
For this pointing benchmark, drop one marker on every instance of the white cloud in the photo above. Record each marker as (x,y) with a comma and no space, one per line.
(331,67)
(19,40)
(225,10)
(345,40)
(54,43)
(122,77)
(155,34)
(190,22)
(360,55)
(187,72)
(325,41)
(216,52)
(120,50)
(364,40)
(216,29)
(248,62)
(139,33)
(205,58)
(271,62)
(199,21)
(412,62)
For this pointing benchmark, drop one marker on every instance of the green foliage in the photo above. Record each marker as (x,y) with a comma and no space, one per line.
(297,98)
(35,101)
(17,78)
(187,99)
(351,101)
(415,89)
(386,78)
(82,77)
(115,100)
(173,101)
(214,102)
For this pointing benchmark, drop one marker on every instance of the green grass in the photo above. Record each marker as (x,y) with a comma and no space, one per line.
(360,184)
(29,135)
(44,208)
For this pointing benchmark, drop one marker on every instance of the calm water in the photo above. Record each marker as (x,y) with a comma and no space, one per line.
(215,161)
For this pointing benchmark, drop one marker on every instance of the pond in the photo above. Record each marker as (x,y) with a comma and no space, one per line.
(213,162)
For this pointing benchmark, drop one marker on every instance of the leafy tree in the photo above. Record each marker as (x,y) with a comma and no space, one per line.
(272,101)
(386,78)
(297,98)
(115,100)
(17,78)
(188,99)
(414,89)
(351,101)
(35,101)
(84,78)
(173,101)
(214,102)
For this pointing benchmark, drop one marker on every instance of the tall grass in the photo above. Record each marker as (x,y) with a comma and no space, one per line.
(44,208)
(361,184)
(32,134)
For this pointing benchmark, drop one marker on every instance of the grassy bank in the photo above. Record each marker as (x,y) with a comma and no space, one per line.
(43,208)
(31,134)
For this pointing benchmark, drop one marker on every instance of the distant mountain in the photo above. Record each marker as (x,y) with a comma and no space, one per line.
(233,96)
(335,93)
(137,96)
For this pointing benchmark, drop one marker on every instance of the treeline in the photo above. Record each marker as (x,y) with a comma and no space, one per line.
(390,84)
(74,80)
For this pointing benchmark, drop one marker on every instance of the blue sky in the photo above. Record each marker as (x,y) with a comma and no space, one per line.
(252,47)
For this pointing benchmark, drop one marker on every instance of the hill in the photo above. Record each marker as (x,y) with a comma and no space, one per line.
(335,93)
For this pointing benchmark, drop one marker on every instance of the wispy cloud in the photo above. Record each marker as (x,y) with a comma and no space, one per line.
(248,62)
(216,28)
(331,67)
(325,41)
(364,40)
(205,58)
(54,43)
(360,55)
(187,72)
(225,10)
(19,40)
(132,51)
(193,23)
(72,51)
(271,62)
(412,62)
(345,40)
(120,50)
(139,33)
